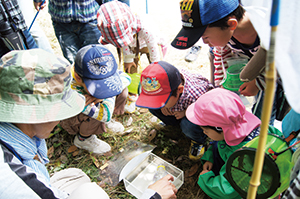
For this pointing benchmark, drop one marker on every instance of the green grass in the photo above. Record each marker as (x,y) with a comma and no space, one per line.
(171,145)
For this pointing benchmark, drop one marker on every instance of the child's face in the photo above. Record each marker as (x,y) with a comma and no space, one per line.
(215,36)
(172,101)
(213,134)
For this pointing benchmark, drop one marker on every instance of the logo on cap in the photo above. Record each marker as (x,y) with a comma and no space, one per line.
(151,85)
(101,65)
(186,13)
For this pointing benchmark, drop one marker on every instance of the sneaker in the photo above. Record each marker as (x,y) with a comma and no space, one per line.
(129,107)
(92,144)
(130,103)
(114,126)
(193,53)
(196,150)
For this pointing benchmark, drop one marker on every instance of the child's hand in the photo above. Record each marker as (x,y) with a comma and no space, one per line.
(179,114)
(249,88)
(90,99)
(166,111)
(127,66)
(207,166)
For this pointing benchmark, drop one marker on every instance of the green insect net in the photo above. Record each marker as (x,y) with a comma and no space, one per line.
(275,173)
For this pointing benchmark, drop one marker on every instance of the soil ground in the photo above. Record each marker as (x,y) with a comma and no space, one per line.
(171,144)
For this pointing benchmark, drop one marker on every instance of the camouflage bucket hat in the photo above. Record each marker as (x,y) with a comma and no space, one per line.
(35,88)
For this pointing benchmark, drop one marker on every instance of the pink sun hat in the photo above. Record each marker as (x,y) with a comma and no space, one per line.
(223,108)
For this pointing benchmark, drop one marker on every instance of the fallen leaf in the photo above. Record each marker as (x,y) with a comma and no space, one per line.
(180,158)
(143,110)
(72,149)
(75,153)
(129,121)
(96,162)
(104,166)
(50,152)
(193,170)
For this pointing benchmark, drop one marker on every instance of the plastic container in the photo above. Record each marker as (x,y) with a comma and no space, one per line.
(135,82)
(160,173)
(232,81)
(141,176)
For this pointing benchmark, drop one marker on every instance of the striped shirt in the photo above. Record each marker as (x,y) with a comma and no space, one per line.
(66,11)
(27,177)
(102,111)
(234,49)
(195,85)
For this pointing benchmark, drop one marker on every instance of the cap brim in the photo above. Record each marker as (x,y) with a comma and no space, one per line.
(187,37)
(234,136)
(152,102)
(255,66)
(104,88)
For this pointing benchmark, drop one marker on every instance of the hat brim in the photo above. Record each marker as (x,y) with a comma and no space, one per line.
(251,122)
(187,37)
(255,66)
(104,88)
(152,102)
(48,111)
(190,114)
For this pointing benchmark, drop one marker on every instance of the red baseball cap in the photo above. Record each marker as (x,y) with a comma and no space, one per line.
(158,80)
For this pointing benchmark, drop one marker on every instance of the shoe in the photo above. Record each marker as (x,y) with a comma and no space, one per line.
(129,107)
(193,53)
(115,127)
(130,103)
(92,144)
(196,151)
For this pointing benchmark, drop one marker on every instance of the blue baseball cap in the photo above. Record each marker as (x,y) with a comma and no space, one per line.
(97,67)
(196,15)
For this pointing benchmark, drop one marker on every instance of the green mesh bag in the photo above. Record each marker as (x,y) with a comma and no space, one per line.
(275,173)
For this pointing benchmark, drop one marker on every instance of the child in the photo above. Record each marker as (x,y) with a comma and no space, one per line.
(226,26)
(105,88)
(123,29)
(167,92)
(223,117)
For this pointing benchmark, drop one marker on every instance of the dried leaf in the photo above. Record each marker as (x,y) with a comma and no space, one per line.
(143,110)
(104,166)
(50,152)
(129,121)
(72,149)
(96,162)
(75,153)
(180,158)
(193,170)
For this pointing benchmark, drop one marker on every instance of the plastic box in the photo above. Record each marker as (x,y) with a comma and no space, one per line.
(140,177)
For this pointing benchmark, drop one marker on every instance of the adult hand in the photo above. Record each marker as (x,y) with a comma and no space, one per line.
(179,114)
(166,111)
(249,88)
(164,188)
(127,66)
(90,99)
(40,5)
